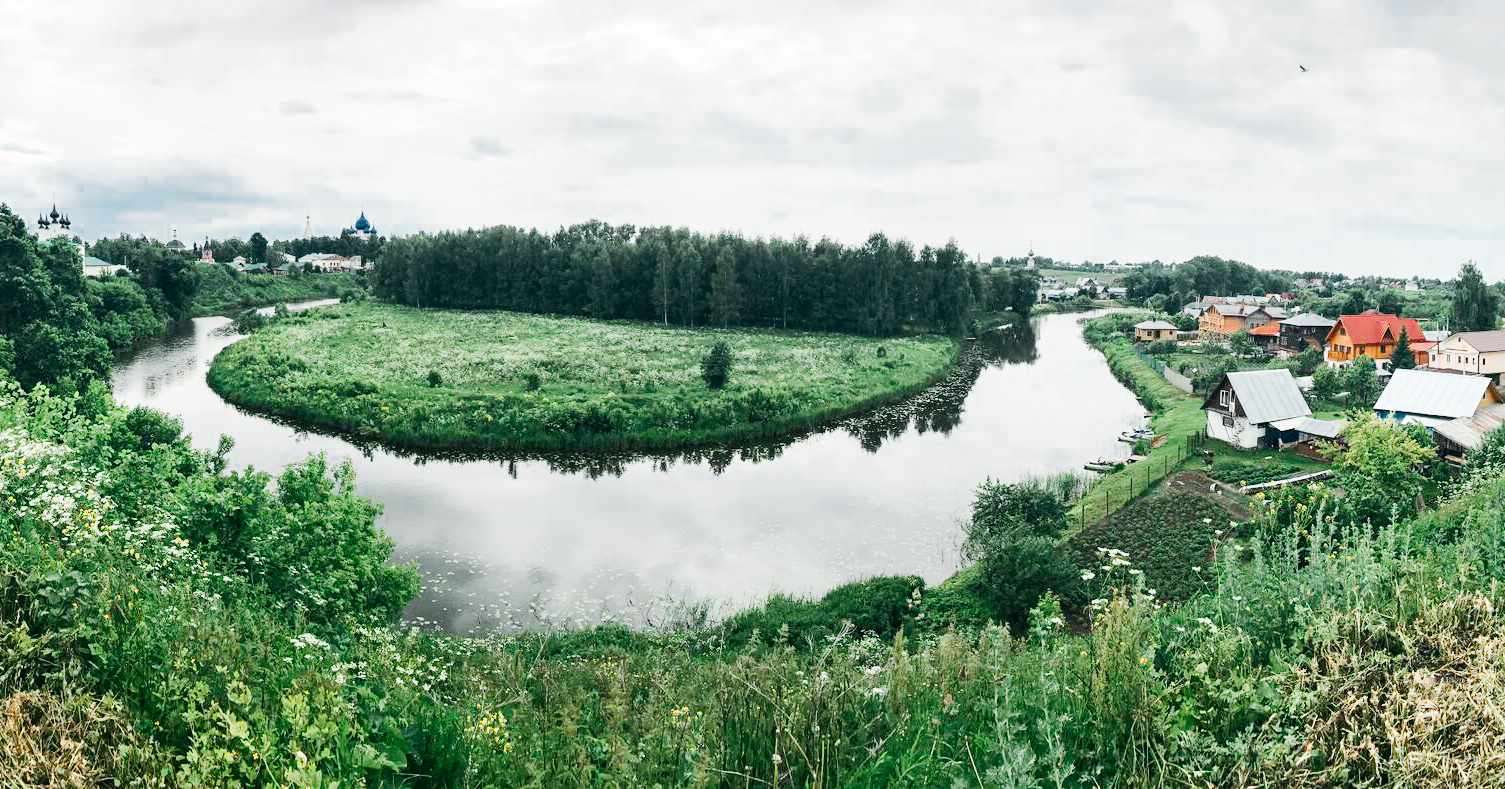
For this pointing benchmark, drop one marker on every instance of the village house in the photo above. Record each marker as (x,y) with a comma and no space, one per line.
(1256,408)
(1431,398)
(1266,336)
(1371,334)
(1196,308)
(1150,331)
(1476,352)
(1456,438)
(1116,293)
(1307,330)
(1221,321)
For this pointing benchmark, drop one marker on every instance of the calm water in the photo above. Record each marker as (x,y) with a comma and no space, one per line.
(513,541)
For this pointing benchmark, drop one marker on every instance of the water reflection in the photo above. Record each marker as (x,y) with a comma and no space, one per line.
(523,540)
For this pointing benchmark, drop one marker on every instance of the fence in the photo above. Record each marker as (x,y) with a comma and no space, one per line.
(1118,489)
(1171,376)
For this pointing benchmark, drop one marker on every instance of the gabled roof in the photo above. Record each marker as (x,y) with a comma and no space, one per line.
(1236,309)
(1156,325)
(1469,431)
(1267,330)
(1373,328)
(1431,393)
(1278,313)
(1418,347)
(1483,341)
(1308,319)
(1265,395)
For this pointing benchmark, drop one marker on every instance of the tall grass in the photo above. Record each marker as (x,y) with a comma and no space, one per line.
(515,381)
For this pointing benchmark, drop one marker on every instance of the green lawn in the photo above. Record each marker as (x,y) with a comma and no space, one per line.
(513,381)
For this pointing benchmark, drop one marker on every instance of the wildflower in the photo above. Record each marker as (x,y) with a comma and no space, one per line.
(1207,520)
(1135,571)
(777,759)
(1088,575)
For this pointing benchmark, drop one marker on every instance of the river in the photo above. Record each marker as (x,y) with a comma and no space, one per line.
(512,542)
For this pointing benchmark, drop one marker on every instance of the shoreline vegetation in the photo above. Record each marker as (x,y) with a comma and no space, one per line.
(497,381)
(222,292)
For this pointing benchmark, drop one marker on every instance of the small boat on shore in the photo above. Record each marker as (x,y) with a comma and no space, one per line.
(1135,436)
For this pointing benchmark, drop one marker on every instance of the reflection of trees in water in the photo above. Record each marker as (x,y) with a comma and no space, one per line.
(936,409)
(939,408)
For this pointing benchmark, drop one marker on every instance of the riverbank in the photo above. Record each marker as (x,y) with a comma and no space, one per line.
(222,292)
(1175,416)
(432,379)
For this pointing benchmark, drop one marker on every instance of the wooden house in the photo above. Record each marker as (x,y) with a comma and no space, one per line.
(1150,331)
(1371,334)
(1431,398)
(1256,408)
(1221,321)
(1307,330)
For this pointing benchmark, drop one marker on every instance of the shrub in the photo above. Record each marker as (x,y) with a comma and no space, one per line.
(532,382)
(1161,347)
(882,606)
(716,369)
(434,378)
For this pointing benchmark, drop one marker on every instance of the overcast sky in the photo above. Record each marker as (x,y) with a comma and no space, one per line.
(1092,130)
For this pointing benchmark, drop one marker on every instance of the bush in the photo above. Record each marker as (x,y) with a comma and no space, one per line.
(435,379)
(878,605)
(716,369)
(1161,347)
(1012,536)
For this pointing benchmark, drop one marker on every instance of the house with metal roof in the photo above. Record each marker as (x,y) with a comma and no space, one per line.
(1371,333)
(1221,321)
(1307,330)
(1150,331)
(1256,408)
(1431,398)
(1460,436)
(1476,352)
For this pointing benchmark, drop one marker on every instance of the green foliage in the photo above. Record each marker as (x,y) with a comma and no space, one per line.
(222,291)
(1378,470)
(1241,344)
(522,381)
(1402,358)
(877,606)
(1308,361)
(434,378)
(1327,383)
(1361,382)
(1012,536)
(1168,536)
(1476,307)
(716,367)
(673,276)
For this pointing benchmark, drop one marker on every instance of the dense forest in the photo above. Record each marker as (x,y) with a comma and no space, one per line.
(677,277)
(1204,275)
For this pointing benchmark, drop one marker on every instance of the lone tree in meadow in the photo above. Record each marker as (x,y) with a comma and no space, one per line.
(716,369)
(1402,358)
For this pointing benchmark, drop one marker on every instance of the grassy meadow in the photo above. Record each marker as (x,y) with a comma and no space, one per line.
(224,292)
(500,380)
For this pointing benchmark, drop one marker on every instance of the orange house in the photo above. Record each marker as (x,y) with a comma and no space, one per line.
(1221,321)
(1371,334)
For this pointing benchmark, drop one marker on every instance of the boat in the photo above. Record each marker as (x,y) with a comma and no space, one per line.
(1103,465)
(1135,436)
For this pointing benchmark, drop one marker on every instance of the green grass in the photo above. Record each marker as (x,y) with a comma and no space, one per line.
(1238,466)
(1176,415)
(519,381)
(224,293)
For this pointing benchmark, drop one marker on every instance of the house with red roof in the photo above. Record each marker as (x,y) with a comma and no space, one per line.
(1372,334)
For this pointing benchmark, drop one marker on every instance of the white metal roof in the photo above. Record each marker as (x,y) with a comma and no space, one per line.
(1166,325)
(1434,394)
(1268,395)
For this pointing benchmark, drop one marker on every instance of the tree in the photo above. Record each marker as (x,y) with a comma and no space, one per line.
(1309,360)
(716,368)
(1326,383)
(1389,302)
(1378,470)
(1355,302)
(1012,536)
(1361,382)
(1242,343)
(726,294)
(258,248)
(1402,358)
(1475,306)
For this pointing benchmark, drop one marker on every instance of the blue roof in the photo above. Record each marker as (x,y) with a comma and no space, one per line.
(362,224)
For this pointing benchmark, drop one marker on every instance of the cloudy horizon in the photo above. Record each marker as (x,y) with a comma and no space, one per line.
(1097,131)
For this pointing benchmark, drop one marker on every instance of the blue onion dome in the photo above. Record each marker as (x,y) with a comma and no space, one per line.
(362,224)
(55,215)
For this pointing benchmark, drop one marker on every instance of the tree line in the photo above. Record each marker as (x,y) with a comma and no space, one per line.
(674,276)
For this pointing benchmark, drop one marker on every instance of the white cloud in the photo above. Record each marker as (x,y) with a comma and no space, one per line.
(1128,130)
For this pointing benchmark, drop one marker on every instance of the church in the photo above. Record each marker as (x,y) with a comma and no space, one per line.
(363,229)
(56,225)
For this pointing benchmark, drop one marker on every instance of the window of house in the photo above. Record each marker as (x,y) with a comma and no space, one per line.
(1223,397)
(1227,421)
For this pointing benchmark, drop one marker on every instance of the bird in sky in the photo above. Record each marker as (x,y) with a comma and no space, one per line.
(1303,68)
